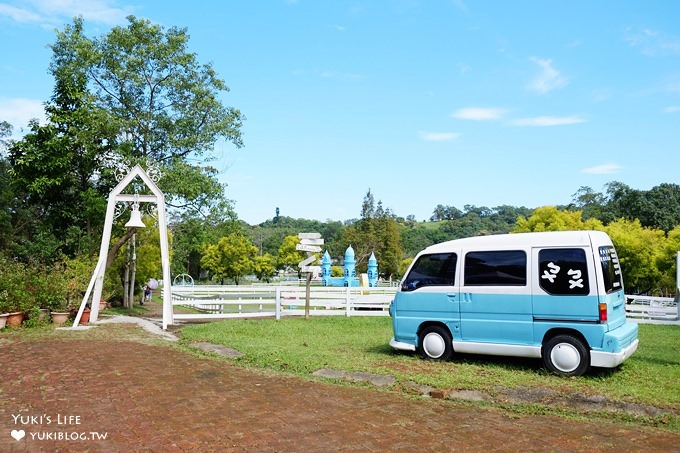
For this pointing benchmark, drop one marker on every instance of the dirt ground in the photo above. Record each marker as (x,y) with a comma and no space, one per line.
(104,390)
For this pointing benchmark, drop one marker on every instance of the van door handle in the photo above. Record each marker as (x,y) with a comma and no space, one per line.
(467,297)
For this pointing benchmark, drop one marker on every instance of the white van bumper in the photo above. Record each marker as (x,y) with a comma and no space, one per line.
(612,359)
(401,346)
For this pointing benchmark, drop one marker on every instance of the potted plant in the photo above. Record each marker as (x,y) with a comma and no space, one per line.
(18,304)
(72,282)
(57,294)
(4,308)
(12,287)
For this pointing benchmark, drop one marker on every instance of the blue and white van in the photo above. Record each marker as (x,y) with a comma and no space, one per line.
(554,295)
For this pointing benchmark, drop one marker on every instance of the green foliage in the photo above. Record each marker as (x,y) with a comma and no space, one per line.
(149,252)
(193,231)
(232,257)
(376,232)
(667,259)
(264,267)
(289,257)
(56,286)
(549,218)
(657,208)
(638,249)
(131,96)
(164,105)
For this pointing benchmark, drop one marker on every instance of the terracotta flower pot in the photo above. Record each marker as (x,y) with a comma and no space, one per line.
(85,318)
(59,318)
(15,319)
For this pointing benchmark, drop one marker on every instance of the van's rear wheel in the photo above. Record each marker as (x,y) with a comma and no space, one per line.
(435,343)
(566,355)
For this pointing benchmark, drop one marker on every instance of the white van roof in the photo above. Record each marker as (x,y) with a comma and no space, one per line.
(584,238)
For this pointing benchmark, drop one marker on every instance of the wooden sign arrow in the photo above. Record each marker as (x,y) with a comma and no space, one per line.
(311,241)
(307,248)
(312,269)
(309,235)
(307,261)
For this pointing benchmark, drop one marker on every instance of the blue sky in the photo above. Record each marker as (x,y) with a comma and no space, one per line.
(453,102)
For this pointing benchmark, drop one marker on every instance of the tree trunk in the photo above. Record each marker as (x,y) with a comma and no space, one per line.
(113,251)
(132,284)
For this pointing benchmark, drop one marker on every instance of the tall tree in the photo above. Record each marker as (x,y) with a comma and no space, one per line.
(232,257)
(134,95)
(165,105)
(58,167)
(368,206)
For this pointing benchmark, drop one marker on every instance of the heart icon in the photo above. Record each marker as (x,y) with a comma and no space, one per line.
(18,434)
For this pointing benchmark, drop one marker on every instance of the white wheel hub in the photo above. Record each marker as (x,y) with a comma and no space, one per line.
(434,345)
(565,357)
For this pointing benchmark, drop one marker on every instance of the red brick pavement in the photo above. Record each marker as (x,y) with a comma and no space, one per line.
(146,397)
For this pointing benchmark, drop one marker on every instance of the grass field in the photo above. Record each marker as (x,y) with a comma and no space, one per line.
(298,346)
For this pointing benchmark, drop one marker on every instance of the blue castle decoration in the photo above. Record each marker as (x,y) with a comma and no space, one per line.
(349,277)
(372,271)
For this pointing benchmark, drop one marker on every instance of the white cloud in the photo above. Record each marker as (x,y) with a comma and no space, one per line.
(478,114)
(606,169)
(52,13)
(653,43)
(548,78)
(20,15)
(543,121)
(18,112)
(672,109)
(438,136)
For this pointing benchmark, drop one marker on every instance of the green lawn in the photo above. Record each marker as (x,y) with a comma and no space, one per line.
(299,346)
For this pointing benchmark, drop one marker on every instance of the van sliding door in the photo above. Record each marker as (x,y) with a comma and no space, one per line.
(495,300)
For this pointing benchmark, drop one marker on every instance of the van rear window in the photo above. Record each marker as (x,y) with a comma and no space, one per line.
(438,269)
(563,272)
(496,268)
(611,269)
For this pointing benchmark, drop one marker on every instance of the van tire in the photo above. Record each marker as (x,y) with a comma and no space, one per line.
(566,355)
(435,343)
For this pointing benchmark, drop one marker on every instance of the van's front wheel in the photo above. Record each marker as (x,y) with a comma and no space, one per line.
(435,343)
(566,355)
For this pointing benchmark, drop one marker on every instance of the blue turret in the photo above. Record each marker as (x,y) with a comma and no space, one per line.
(325,269)
(372,271)
(349,271)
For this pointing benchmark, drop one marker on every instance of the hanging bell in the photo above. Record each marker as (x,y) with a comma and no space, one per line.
(135,218)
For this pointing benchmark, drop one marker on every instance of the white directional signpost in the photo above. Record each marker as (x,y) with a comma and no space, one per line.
(310,243)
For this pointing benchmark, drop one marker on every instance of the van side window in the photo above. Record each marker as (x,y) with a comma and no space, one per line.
(438,269)
(611,269)
(563,272)
(506,267)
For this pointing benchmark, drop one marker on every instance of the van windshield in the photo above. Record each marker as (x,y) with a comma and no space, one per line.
(611,269)
(438,269)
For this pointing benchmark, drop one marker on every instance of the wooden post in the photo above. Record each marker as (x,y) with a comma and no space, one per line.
(308,294)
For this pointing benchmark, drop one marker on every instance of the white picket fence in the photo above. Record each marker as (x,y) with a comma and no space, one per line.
(217,302)
(652,310)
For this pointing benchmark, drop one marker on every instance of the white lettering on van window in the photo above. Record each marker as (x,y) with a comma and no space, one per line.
(577,281)
(554,270)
